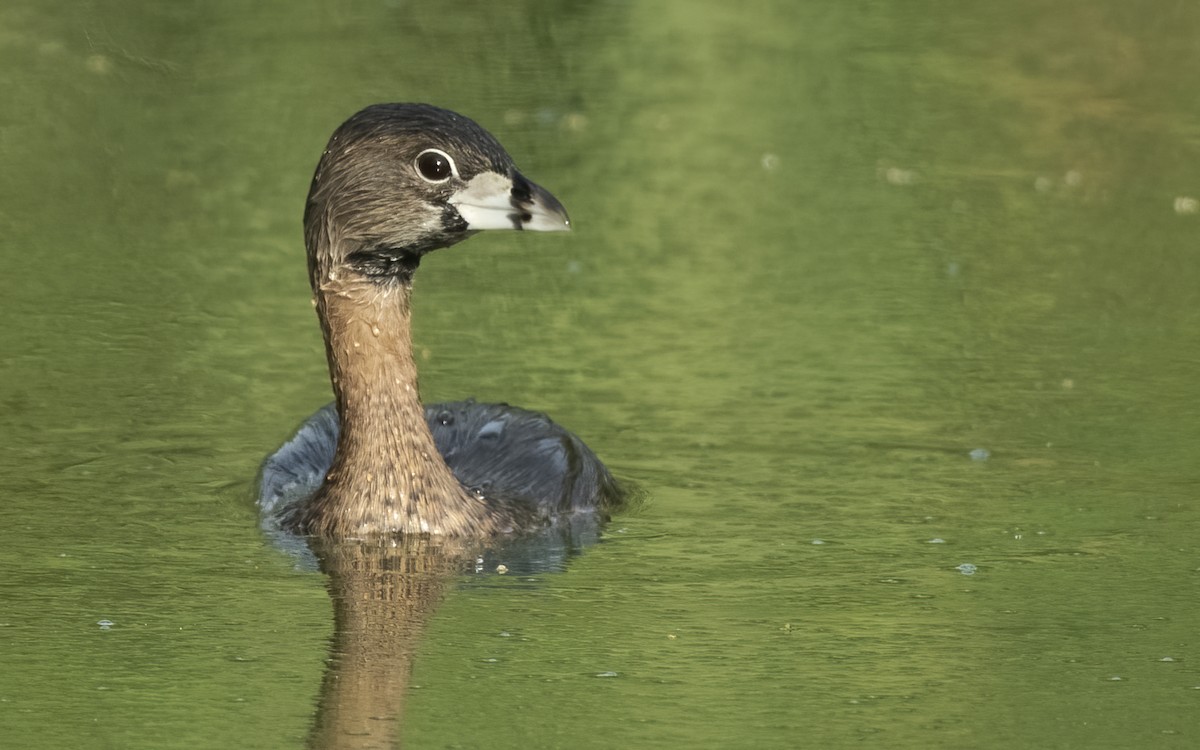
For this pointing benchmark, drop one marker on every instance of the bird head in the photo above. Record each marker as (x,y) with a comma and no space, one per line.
(400,180)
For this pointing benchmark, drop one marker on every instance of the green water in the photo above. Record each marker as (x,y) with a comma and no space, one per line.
(824,251)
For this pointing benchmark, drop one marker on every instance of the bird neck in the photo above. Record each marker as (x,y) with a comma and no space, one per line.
(387,475)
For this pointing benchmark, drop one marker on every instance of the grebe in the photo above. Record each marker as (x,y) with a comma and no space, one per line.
(395,182)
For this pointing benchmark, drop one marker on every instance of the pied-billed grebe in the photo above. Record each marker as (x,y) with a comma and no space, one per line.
(395,182)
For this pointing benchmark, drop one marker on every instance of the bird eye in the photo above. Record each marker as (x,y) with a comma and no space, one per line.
(435,166)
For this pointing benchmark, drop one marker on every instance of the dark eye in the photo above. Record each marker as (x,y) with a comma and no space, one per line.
(435,165)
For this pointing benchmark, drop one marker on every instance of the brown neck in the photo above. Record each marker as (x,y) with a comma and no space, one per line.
(387,475)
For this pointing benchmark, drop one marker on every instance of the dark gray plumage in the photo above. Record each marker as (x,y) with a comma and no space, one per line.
(496,449)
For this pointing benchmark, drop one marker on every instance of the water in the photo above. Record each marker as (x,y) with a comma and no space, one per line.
(864,296)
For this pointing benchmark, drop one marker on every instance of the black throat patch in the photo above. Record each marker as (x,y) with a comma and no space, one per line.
(384,262)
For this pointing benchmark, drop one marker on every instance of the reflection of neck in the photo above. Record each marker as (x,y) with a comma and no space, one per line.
(387,474)
(383,595)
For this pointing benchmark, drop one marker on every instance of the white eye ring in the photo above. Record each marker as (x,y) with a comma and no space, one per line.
(435,166)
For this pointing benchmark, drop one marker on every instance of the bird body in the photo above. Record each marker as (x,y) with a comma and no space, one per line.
(398,181)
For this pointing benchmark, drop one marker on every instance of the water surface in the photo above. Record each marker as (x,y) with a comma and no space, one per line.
(859,293)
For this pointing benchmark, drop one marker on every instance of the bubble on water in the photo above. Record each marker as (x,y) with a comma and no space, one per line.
(1187,205)
(898,176)
(99,64)
(607,674)
(576,121)
(980,454)
(967,569)
(106,624)
(936,540)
